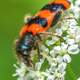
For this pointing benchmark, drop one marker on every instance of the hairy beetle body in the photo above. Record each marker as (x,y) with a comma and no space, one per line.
(48,16)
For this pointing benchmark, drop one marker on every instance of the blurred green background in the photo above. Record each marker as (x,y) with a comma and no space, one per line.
(11,19)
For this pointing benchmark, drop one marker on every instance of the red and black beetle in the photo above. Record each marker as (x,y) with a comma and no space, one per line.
(47,17)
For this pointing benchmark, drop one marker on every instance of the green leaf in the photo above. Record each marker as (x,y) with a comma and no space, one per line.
(45,65)
(35,57)
(73,1)
(78,21)
(70,73)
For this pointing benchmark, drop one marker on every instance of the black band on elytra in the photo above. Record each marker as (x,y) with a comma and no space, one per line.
(53,7)
(38,20)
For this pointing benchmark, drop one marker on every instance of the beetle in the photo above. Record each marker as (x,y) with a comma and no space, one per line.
(47,17)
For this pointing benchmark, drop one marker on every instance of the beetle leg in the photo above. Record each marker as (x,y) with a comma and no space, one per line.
(49,33)
(38,49)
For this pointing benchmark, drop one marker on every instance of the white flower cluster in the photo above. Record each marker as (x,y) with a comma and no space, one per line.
(76,9)
(56,50)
